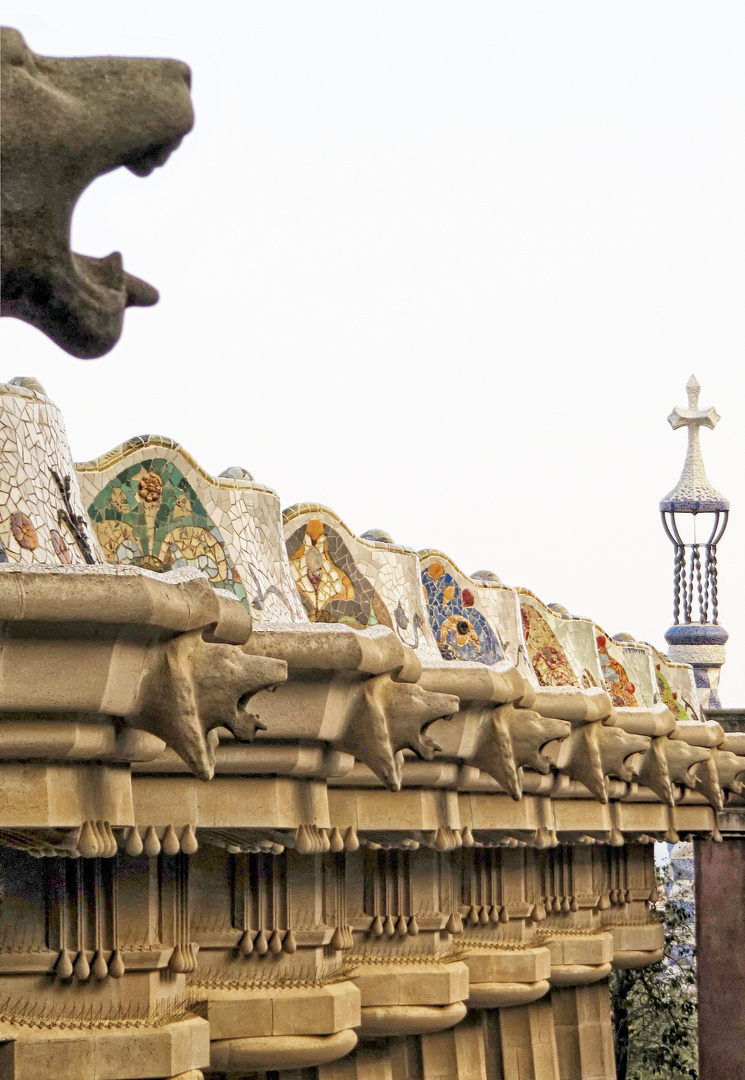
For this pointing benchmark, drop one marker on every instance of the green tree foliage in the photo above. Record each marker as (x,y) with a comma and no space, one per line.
(654,1008)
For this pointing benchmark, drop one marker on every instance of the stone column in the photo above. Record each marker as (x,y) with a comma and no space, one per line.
(720,914)
(584,1032)
(529,1042)
(457,1054)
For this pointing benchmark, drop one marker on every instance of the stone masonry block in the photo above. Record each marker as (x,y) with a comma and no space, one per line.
(321,1010)
(517,965)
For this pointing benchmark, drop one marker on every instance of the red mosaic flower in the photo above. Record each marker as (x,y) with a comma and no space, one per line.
(467,597)
(23,530)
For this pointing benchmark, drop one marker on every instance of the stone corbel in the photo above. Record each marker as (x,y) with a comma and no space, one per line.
(596,751)
(730,770)
(359,691)
(385,717)
(191,685)
(511,739)
(656,723)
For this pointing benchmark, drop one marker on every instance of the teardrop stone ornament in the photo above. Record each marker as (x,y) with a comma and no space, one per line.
(289,944)
(82,968)
(261,944)
(152,843)
(189,842)
(336,840)
(413,927)
(337,939)
(100,968)
(64,968)
(247,943)
(275,943)
(116,965)
(351,840)
(377,927)
(134,844)
(177,962)
(171,845)
(110,841)
(87,841)
(454,925)
(303,842)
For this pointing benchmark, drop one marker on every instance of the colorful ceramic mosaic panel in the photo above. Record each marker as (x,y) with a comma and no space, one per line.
(150,516)
(460,629)
(550,662)
(362,581)
(153,506)
(42,516)
(617,682)
(677,687)
(328,581)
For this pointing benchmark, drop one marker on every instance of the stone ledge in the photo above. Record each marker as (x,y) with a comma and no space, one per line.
(390,1020)
(504,994)
(280,1052)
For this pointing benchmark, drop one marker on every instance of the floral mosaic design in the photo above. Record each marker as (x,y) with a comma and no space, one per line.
(461,631)
(550,662)
(331,587)
(150,516)
(620,687)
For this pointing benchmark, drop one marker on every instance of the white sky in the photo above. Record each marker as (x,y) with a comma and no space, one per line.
(445,267)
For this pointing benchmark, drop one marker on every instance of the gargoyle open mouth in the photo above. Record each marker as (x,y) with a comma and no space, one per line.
(65,122)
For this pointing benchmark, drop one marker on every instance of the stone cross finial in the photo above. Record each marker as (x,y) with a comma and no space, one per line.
(693,492)
(693,418)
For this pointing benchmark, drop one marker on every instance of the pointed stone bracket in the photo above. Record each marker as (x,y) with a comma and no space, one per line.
(510,739)
(190,686)
(385,717)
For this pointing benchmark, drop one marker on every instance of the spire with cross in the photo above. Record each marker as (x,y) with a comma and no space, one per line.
(693,492)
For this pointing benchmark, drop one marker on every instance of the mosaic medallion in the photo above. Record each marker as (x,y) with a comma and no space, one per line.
(330,585)
(461,631)
(149,516)
(550,662)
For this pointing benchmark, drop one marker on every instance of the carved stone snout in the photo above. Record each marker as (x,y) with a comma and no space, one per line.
(191,686)
(731,770)
(386,717)
(511,739)
(65,122)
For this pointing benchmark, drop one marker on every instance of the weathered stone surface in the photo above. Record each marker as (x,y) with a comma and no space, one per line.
(65,122)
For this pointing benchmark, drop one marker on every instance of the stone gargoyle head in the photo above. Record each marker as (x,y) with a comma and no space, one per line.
(65,122)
